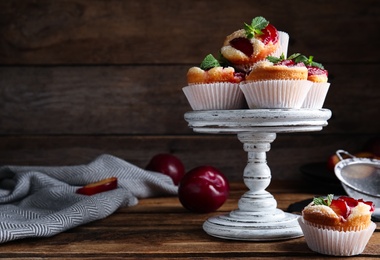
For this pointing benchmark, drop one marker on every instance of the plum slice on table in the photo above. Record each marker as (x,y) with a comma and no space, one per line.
(97,187)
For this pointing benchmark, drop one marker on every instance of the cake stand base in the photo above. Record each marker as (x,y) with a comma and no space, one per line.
(240,225)
(257,217)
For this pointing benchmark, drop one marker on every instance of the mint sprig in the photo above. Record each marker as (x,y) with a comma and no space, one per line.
(308,61)
(297,58)
(255,28)
(276,59)
(324,201)
(209,62)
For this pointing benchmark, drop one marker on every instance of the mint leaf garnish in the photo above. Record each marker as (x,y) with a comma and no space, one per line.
(319,201)
(329,199)
(316,64)
(294,56)
(323,201)
(304,59)
(276,59)
(307,61)
(209,62)
(255,28)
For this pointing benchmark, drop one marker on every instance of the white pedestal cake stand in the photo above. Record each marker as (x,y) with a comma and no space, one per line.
(257,217)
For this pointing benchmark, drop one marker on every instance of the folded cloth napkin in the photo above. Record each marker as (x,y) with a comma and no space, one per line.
(41,201)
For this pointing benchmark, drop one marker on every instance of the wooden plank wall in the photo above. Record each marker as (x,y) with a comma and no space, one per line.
(79,78)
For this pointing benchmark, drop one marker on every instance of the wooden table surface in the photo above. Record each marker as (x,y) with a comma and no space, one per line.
(160,228)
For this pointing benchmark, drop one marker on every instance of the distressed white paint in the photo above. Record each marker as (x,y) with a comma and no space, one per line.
(257,217)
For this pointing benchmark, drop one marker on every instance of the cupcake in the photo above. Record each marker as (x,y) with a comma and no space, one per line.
(212,86)
(340,226)
(255,42)
(319,76)
(276,83)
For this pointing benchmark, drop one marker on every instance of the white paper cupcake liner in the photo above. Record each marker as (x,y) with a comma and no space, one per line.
(275,93)
(337,243)
(214,96)
(316,96)
(284,43)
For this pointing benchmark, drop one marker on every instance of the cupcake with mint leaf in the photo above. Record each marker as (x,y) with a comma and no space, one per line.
(319,76)
(214,85)
(339,226)
(276,83)
(254,43)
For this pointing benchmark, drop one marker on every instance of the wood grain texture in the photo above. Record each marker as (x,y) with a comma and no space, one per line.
(79,78)
(148,100)
(288,152)
(165,230)
(165,32)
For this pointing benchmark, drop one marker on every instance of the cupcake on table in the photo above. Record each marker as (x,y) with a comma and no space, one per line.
(340,226)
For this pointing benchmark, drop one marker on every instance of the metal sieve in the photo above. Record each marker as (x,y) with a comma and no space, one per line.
(360,177)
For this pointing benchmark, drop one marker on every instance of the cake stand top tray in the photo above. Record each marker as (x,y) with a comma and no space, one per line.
(257,120)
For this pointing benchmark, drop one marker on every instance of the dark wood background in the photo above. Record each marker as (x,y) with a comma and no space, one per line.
(79,78)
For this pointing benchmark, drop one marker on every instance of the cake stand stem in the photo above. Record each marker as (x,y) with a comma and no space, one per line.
(257,174)
(257,217)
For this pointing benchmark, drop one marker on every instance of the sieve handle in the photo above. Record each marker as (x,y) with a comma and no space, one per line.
(339,152)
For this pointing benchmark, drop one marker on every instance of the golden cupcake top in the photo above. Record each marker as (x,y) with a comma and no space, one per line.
(343,213)
(269,70)
(316,71)
(211,71)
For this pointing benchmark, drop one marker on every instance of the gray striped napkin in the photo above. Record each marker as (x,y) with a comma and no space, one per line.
(41,201)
